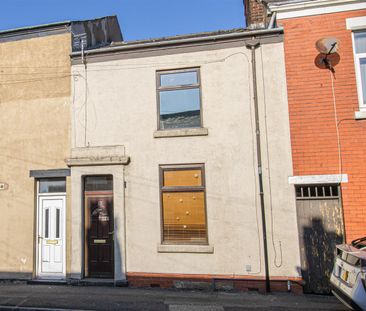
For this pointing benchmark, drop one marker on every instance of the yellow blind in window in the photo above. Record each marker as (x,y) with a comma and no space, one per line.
(184,217)
(182,178)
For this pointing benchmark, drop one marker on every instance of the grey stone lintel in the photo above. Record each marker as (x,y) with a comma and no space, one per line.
(201,131)
(52,173)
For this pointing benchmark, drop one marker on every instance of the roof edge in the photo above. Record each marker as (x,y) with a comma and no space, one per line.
(35,28)
(181,39)
(289,5)
(45,27)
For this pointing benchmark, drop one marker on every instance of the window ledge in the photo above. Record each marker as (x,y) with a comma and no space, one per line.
(206,249)
(360,115)
(200,131)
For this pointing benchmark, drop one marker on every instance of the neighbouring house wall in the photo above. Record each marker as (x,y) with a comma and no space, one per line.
(313,125)
(34,109)
(121,104)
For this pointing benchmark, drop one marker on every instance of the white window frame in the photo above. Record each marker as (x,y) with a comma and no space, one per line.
(358,24)
(357,58)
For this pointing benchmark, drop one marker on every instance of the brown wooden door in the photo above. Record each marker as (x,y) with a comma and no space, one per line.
(100,250)
(320,223)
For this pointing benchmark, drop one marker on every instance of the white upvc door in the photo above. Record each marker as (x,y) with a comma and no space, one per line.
(51,237)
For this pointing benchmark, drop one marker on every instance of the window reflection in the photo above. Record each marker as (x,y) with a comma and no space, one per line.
(179,99)
(99,183)
(46,228)
(49,185)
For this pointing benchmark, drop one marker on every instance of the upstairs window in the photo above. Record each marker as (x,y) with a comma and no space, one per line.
(360,60)
(179,99)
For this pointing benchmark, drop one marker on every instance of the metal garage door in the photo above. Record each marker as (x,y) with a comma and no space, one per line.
(320,223)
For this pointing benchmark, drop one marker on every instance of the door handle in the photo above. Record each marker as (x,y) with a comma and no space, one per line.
(111,232)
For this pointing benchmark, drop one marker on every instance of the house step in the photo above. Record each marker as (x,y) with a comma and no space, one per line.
(98,282)
(46,282)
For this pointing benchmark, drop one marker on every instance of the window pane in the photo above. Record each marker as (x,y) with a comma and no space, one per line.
(46,220)
(180,108)
(184,217)
(99,183)
(57,223)
(180,78)
(312,191)
(360,42)
(363,78)
(327,191)
(182,178)
(52,185)
(320,190)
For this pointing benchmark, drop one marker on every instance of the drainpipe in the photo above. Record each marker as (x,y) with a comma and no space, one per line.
(272,21)
(252,45)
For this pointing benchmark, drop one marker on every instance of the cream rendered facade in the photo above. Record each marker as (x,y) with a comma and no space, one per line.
(115,132)
(35,89)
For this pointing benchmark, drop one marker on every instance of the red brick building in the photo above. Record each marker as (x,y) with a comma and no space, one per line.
(327,115)
(315,114)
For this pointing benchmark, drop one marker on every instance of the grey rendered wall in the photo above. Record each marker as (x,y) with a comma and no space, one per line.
(120,98)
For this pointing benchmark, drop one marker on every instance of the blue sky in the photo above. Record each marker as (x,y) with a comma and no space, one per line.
(139,19)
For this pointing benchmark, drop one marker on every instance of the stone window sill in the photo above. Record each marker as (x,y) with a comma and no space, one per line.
(199,131)
(360,115)
(205,249)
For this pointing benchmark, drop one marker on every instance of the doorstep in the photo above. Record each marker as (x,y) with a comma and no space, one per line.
(46,282)
(98,282)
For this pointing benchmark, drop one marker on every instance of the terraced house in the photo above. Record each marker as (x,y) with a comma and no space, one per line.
(325,46)
(167,168)
(227,159)
(35,90)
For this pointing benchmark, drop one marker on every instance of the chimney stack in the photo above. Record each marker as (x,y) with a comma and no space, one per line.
(255,14)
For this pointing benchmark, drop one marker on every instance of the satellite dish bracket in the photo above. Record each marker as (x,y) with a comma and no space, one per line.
(326,47)
(326,61)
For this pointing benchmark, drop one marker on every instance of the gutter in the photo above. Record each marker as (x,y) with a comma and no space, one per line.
(177,41)
(286,6)
(272,21)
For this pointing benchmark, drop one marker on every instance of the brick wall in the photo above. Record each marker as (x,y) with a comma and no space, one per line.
(214,282)
(255,13)
(313,130)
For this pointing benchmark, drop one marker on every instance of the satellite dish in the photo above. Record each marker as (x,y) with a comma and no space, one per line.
(327,45)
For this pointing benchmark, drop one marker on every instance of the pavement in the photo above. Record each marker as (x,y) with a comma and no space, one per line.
(82,298)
